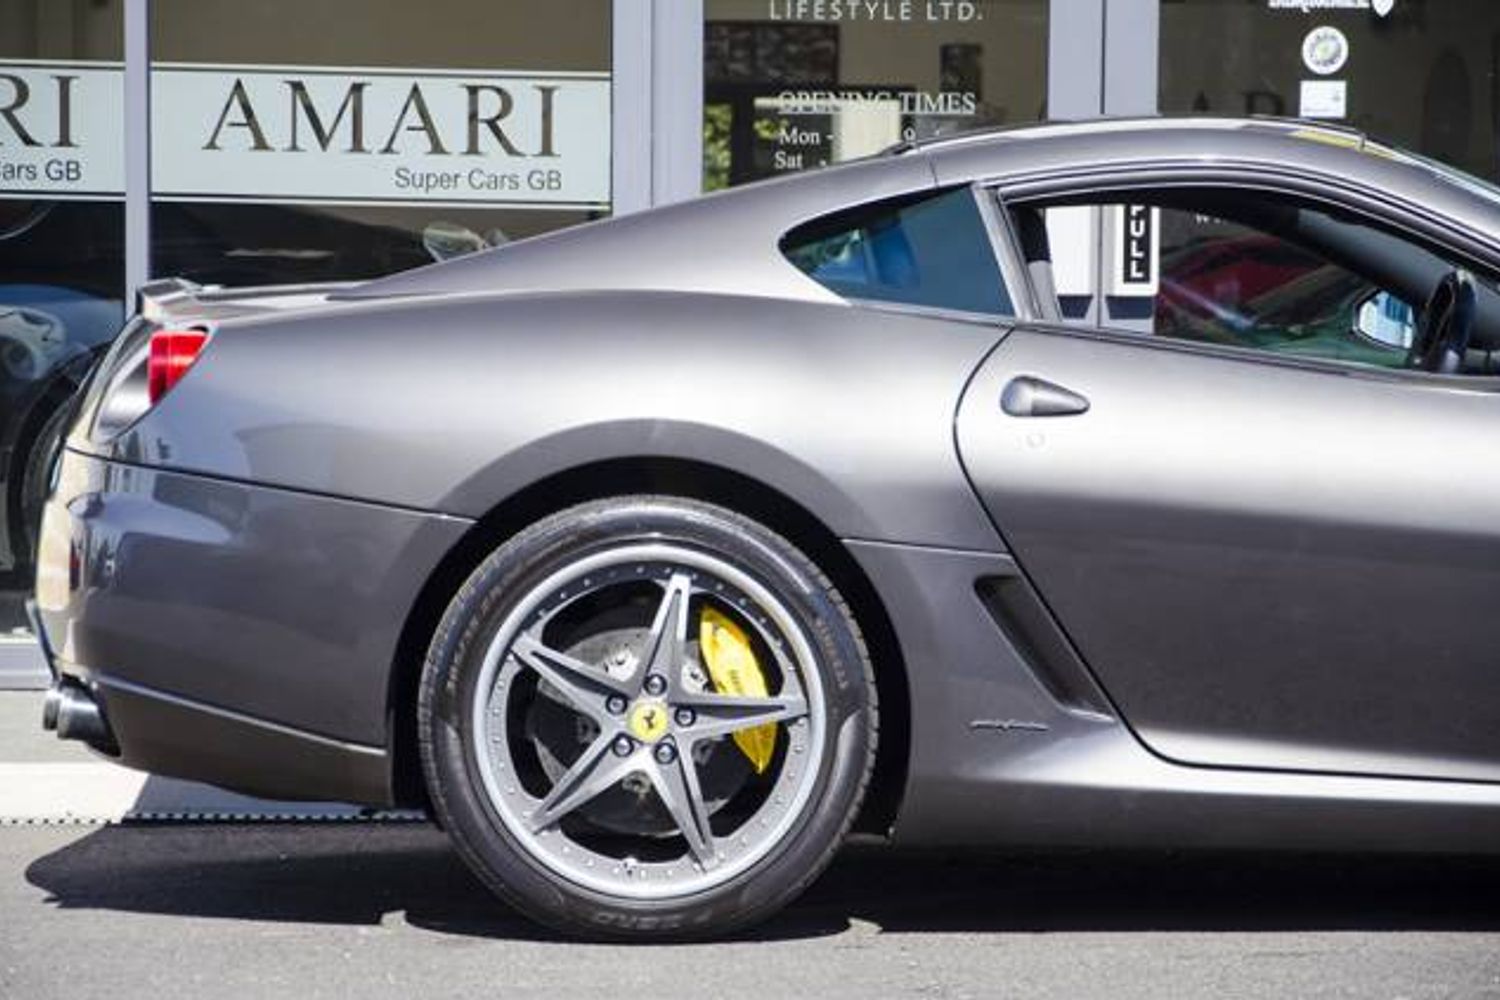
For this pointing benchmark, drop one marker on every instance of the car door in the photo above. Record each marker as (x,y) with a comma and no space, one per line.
(1268,560)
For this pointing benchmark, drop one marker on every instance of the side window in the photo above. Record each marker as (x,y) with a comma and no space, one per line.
(1225,282)
(933,252)
(1252,270)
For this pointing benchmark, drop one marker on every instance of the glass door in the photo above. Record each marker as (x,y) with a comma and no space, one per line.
(379,136)
(1421,74)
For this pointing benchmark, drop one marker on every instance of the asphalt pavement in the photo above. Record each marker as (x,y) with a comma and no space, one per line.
(373,910)
(349,906)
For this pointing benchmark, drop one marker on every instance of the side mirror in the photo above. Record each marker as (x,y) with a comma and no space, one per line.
(1386,320)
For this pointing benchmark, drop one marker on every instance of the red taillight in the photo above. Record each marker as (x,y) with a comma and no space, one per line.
(172,354)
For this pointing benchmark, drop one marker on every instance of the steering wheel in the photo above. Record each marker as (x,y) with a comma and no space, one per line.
(1445,326)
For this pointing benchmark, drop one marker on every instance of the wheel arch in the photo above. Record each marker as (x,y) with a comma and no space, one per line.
(691,479)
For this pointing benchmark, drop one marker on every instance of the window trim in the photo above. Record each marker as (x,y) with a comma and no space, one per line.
(1482,383)
(1451,236)
(1009,260)
(991,320)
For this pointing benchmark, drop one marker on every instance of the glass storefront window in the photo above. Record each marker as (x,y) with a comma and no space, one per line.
(1421,74)
(794,84)
(352,138)
(62,239)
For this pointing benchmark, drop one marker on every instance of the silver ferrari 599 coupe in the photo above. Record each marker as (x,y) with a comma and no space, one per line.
(655,556)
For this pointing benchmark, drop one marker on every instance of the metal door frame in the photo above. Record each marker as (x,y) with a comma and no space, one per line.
(1122,39)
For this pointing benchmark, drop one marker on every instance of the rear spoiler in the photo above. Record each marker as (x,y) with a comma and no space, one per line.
(178,299)
(154,299)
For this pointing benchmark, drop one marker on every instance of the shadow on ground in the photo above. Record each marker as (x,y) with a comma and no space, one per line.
(356,874)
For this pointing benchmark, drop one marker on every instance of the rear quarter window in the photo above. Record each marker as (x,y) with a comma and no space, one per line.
(932,252)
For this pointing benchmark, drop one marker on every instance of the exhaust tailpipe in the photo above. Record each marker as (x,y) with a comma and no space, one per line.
(71,711)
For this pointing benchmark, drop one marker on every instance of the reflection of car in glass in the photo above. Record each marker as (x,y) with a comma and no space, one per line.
(40,367)
(257,244)
(59,302)
(31,343)
(622,573)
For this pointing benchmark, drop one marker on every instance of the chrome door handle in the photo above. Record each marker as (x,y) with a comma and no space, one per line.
(1029,396)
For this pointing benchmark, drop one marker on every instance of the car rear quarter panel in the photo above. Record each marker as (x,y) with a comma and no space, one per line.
(272,603)
(453,405)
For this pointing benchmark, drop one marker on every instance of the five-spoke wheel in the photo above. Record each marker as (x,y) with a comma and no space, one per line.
(628,711)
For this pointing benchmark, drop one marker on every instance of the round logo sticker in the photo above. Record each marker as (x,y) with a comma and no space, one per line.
(1325,50)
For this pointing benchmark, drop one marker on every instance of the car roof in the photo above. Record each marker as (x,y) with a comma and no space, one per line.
(1132,125)
(1129,141)
(1140,125)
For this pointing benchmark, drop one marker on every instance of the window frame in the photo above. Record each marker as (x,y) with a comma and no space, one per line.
(1440,235)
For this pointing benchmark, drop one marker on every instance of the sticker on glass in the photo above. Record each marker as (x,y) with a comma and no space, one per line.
(1324,99)
(1325,50)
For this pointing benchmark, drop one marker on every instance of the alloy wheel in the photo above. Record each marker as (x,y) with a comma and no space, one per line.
(604,744)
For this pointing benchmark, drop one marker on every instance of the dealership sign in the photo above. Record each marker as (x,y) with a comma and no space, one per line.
(293,134)
(297,134)
(62,129)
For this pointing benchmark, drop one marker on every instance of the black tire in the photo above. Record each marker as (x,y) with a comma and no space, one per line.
(474,618)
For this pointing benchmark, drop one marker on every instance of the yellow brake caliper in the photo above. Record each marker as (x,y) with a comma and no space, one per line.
(734,671)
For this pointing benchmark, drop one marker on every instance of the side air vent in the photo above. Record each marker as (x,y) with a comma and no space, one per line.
(1029,627)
